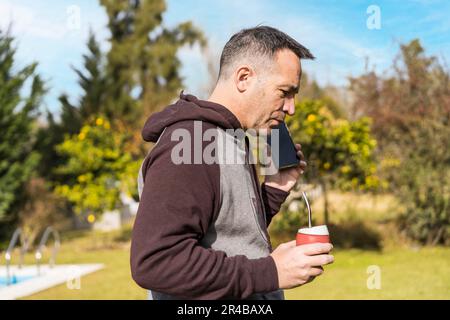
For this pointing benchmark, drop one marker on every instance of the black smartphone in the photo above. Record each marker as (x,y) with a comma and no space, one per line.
(286,156)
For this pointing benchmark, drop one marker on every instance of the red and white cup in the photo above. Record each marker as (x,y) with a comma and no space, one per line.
(313,235)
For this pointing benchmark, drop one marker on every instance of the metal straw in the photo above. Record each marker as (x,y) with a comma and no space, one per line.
(309,208)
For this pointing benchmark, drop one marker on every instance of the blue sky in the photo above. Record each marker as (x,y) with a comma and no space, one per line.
(335,31)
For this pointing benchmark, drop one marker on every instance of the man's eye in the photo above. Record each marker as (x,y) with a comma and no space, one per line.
(284,93)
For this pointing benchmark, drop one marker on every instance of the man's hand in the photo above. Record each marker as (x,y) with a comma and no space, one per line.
(297,265)
(287,178)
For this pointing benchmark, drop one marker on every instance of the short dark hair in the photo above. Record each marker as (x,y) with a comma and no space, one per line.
(264,41)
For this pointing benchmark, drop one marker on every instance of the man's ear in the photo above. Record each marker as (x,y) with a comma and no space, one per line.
(243,77)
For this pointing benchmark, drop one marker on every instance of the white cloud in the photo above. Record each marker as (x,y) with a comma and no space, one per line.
(53,24)
(25,21)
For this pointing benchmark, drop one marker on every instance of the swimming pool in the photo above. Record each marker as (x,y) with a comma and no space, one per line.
(14,279)
(27,280)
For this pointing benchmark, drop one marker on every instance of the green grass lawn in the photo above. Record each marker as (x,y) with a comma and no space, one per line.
(405,274)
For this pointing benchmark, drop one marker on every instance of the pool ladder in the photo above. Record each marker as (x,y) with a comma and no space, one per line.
(24,245)
(38,255)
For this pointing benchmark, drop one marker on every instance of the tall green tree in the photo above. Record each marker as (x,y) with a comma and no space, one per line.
(92,81)
(135,77)
(21,91)
(142,65)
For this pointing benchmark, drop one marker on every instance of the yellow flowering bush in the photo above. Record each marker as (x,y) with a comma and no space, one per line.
(337,150)
(97,169)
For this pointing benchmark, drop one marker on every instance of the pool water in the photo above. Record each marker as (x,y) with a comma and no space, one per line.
(14,279)
(27,281)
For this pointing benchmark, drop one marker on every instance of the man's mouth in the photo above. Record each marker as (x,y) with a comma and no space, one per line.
(275,121)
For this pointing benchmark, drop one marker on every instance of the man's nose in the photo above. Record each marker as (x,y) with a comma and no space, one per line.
(289,106)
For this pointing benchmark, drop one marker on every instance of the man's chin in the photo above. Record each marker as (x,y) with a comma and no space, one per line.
(267,126)
(271,124)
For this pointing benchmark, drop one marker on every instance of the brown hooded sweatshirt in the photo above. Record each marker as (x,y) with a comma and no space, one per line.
(201,229)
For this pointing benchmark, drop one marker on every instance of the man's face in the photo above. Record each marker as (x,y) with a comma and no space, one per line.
(274,94)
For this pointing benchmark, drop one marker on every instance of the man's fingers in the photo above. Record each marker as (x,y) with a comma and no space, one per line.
(317,271)
(310,279)
(320,260)
(315,248)
(301,156)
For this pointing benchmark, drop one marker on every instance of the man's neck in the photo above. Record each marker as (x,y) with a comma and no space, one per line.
(218,97)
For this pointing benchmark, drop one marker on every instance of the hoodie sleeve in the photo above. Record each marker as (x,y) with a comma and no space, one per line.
(177,205)
(273,198)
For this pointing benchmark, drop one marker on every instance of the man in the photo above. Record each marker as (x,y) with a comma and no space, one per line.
(201,228)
